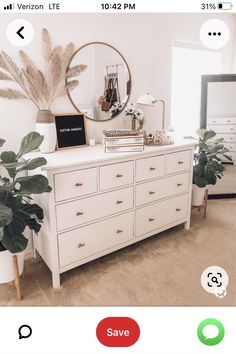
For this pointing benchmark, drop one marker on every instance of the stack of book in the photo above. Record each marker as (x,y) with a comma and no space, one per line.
(124,143)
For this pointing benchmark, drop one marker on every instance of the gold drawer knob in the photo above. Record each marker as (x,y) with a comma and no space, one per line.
(152,192)
(179,184)
(231,128)
(180,162)
(178,209)
(79,213)
(119,202)
(119,175)
(119,231)
(78,184)
(151,219)
(228,121)
(152,168)
(81,244)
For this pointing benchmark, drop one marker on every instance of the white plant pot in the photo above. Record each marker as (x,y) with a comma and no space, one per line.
(7,273)
(48,130)
(198,194)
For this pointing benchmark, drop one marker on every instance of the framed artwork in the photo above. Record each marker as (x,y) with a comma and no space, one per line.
(70,130)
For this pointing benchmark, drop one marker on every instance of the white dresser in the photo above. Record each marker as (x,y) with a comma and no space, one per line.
(225,127)
(102,202)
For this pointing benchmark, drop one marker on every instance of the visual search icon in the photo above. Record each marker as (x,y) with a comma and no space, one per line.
(214,34)
(215,280)
(211,331)
(24,331)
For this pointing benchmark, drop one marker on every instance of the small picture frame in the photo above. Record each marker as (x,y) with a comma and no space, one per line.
(70,130)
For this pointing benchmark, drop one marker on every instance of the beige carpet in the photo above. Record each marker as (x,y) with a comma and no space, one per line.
(161,271)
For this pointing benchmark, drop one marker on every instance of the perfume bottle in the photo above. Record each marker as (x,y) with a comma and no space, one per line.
(170,135)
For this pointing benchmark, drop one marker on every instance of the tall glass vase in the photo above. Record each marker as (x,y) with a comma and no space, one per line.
(45,125)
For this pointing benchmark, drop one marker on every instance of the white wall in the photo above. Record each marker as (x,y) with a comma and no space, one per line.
(145,41)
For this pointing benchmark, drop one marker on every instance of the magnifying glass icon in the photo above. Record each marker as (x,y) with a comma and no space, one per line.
(214,280)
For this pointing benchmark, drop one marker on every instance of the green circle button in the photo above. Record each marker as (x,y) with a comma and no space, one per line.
(211,322)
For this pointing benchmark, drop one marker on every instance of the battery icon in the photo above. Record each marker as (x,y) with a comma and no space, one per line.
(225,5)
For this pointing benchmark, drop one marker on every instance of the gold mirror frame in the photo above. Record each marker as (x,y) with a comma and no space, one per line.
(69,94)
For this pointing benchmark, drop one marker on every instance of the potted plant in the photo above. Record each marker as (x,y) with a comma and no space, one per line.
(16,211)
(41,87)
(207,163)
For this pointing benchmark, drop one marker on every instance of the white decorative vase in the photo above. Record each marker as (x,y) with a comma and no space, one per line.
(7,273)
(198,194)
(45,125)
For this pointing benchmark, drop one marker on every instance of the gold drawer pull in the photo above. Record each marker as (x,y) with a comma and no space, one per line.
(178,209)
(78,184)
(79,213)
(151,192)
(180,162)
(151,219)
(228,121)
(152,168)
(81,244)
(119,175)
(119,231)
(119,202)
(179,184)
(231,128)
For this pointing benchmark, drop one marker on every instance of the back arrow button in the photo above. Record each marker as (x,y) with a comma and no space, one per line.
(19,32)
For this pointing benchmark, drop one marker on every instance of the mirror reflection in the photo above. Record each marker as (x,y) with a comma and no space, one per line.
(219,114)
(105,85)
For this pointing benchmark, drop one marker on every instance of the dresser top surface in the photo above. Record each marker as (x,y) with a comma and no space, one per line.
(93,154)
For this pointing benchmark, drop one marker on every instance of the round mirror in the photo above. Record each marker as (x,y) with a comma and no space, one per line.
(104,86)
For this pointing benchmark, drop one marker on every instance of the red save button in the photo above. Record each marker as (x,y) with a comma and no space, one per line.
(118,332)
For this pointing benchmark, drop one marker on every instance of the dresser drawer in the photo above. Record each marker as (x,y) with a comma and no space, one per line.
(151,167)
(160,214)
(88,240)
(161,188)
(178,161)
(223,128)
(223,120)
(75,184)
(116,175)
(88,209)
(228,138)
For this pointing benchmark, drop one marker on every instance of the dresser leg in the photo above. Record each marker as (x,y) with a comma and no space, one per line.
(56,280)
(187,225)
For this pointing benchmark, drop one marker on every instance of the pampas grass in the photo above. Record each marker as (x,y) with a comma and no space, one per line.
(42,87)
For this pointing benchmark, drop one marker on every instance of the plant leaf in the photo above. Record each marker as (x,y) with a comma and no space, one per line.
(5,215)
(11,94)
(4,76)
(36,184)
(76,70)
(46,44)
(26,60)
(2,141)
(14,242)
(209,134)
(12,68)
(33,210)
(33,164)
(30,143)
(69,87)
